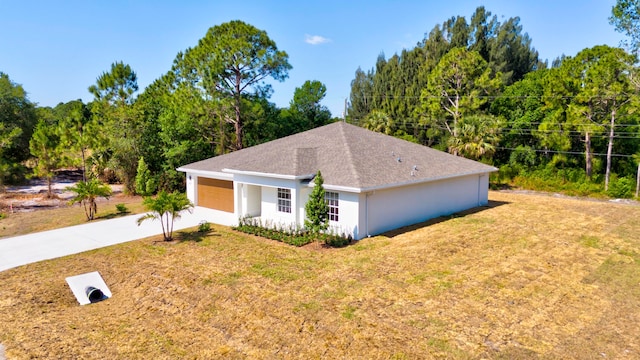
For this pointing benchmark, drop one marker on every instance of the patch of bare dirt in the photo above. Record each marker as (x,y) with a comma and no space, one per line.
(33,196)
(564,196)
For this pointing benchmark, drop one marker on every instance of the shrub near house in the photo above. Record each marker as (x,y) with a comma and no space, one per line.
(290,235)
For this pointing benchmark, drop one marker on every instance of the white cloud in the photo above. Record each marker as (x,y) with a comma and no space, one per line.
(407,42)
(315,39)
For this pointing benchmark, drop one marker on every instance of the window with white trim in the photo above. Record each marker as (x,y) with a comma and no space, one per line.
(284,200)
(332,200)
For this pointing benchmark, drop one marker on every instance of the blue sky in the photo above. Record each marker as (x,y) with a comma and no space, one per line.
(57,49)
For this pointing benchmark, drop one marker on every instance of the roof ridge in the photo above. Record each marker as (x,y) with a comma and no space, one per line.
(348,156)
(348,145)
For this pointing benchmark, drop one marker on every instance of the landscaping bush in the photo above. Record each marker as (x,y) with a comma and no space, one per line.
(289,234)
(121,208)
(334,240)
(204,227)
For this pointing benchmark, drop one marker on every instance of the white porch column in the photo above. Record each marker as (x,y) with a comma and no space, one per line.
(192,188)
(238,197)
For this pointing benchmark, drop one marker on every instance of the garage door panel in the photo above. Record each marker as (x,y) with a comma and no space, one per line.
(215,194)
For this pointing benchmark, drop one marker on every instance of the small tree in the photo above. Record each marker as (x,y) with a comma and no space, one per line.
(166,207)
(145,182)
(45,146)
(317,209)
(87,193)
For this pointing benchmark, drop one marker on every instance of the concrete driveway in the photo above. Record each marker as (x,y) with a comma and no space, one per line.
(26,249)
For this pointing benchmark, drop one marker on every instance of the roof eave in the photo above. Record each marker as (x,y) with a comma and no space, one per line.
(422,181)
(269,175)
(206,173)
(339,188)
(404,183)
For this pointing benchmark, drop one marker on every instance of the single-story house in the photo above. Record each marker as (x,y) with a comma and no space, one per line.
(373,182)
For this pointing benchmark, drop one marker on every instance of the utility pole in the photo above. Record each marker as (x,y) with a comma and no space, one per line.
(344,113)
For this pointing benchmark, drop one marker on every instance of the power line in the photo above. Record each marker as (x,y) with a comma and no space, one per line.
(532,131)
(576,124)
(541,97)
(564,152)
(618,135)
(414,121)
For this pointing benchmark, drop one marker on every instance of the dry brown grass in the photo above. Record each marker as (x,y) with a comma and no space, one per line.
(528,276)
(20,223)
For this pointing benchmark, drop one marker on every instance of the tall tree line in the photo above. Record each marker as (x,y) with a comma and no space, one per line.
(478,89)
(214,99)
(18,118)
(394,85)
(581,114)
(474,88)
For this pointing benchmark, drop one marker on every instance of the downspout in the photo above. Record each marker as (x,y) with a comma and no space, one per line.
(298,194)
(295,193)
(479,182)
(366,213)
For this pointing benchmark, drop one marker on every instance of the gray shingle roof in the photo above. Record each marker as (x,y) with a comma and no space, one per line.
(348,156)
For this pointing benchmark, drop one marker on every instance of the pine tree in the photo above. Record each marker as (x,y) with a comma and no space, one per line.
(45,146)
(145,182)
(317,210)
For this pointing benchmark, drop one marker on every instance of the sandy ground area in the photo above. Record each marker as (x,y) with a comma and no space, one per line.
(33,196)
(563,196)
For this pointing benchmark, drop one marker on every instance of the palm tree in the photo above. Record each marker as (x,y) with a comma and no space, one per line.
(477,137)
(166,207)
(379,121)
(87,193)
